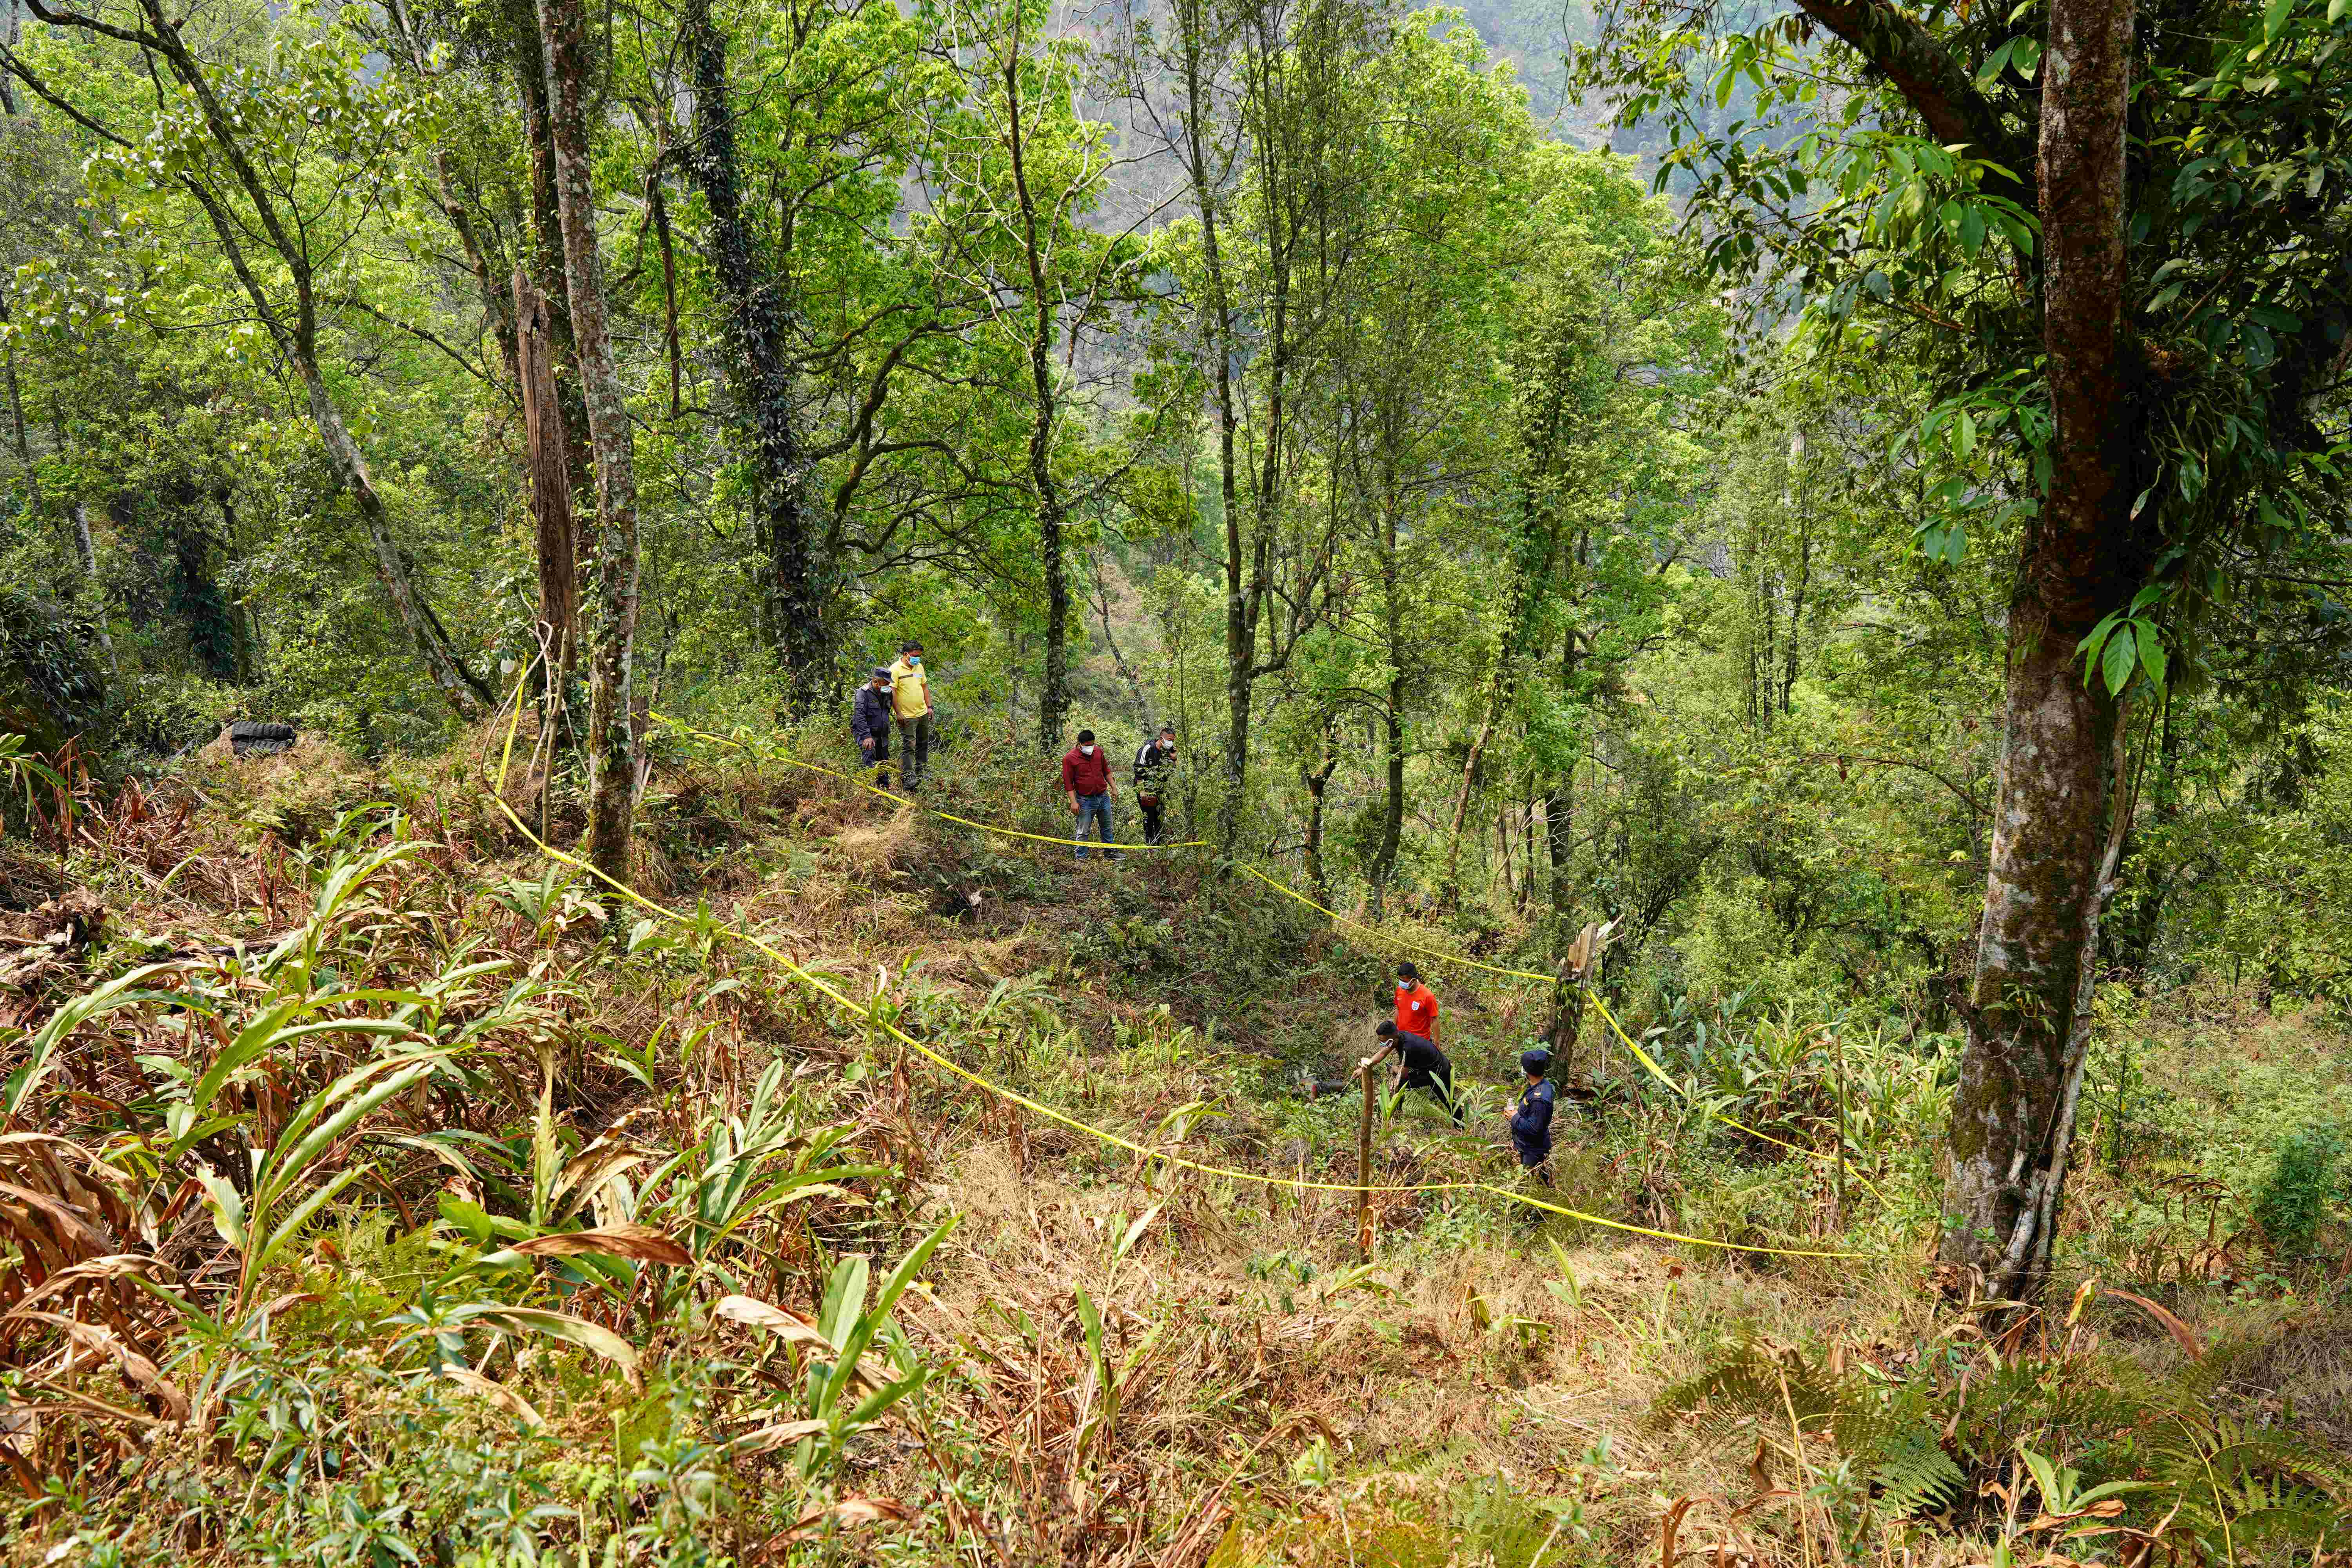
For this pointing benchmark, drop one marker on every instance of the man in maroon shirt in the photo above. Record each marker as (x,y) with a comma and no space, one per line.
(1085,779)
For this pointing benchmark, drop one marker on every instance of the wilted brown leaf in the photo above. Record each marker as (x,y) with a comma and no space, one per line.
(761,1439)
(848,1510)
(137,1369)
(626,1239)
(2182,1335)
(790,1325)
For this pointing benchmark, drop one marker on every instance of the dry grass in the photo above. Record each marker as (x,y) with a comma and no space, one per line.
(1251,1398)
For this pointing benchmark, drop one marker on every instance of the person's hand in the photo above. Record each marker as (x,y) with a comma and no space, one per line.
(867,742)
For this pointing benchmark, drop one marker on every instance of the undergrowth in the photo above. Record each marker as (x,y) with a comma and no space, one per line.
(376,1192)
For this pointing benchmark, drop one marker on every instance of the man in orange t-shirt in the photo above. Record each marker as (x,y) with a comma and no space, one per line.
(1416,1011)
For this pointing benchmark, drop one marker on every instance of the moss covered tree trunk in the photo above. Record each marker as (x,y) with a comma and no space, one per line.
(761,373)
(2027,1009)
(612,752)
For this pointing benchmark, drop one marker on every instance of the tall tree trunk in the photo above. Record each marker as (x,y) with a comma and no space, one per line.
(1535,552)
(1054,700)
(1195,45)
(498,300)
(612,754)
(15,394)
(1497,694)
(544,459)
(2027,1010)
(1384,857)
(457,684)
(762,371)
(542,247)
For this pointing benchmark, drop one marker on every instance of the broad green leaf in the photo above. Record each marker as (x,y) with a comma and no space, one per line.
(2152,657)
(2116,660)
(563,1326)
(228,1207)
(845,1299)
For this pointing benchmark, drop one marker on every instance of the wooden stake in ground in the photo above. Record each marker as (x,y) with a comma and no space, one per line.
(1364,1166)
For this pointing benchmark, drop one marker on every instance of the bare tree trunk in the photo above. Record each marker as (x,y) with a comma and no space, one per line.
(87,549)
(1384,857)
(2039,940)
(499,303)
(762,373)
(1560,816)
(1318,781)
(551,489)
(457,684)
(542,249)
(612,752)
(8,367)
(1198,68)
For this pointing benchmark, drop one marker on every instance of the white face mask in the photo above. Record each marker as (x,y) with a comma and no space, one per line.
(1086,750)
(1404,984)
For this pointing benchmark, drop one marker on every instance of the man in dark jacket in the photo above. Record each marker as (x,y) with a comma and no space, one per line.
(869,724)
(1420,1064)
(1153,762)
(1085,779)
(1532,1120)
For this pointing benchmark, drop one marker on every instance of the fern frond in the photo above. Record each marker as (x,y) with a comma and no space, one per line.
(1913,1473)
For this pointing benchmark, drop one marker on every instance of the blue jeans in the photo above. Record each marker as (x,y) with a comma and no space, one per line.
(1095,808)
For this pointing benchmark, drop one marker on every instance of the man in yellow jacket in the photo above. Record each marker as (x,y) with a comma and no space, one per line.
(910,704)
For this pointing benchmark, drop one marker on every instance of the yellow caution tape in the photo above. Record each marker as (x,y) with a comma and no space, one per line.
(1103,1135)
(1591,997)
(775,755)
(1631,1046)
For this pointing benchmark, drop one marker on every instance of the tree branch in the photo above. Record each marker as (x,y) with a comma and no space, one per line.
(1916,63)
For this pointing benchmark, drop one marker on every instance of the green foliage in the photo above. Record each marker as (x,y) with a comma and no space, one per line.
(1889,1434)
(2294,1198)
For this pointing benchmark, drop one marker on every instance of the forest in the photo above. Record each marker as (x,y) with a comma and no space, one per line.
(1762,588)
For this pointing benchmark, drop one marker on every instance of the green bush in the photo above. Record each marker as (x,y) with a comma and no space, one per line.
(2293,1198)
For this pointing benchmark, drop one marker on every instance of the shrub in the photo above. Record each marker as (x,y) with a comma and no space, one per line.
(2293,1198)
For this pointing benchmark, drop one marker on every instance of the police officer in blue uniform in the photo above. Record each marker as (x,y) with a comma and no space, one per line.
(1531,1119)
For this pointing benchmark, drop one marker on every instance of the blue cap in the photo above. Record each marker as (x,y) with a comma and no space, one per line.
(1535,1060)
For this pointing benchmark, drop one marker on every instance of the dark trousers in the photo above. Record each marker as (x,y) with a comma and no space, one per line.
(877,759)
(915,741)
(1153,812)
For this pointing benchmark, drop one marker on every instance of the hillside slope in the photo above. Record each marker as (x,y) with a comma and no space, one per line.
(575,1234)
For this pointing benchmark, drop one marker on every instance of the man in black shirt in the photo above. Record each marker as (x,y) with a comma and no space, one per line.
(1154,760)
(1420,1064)
(869,724)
